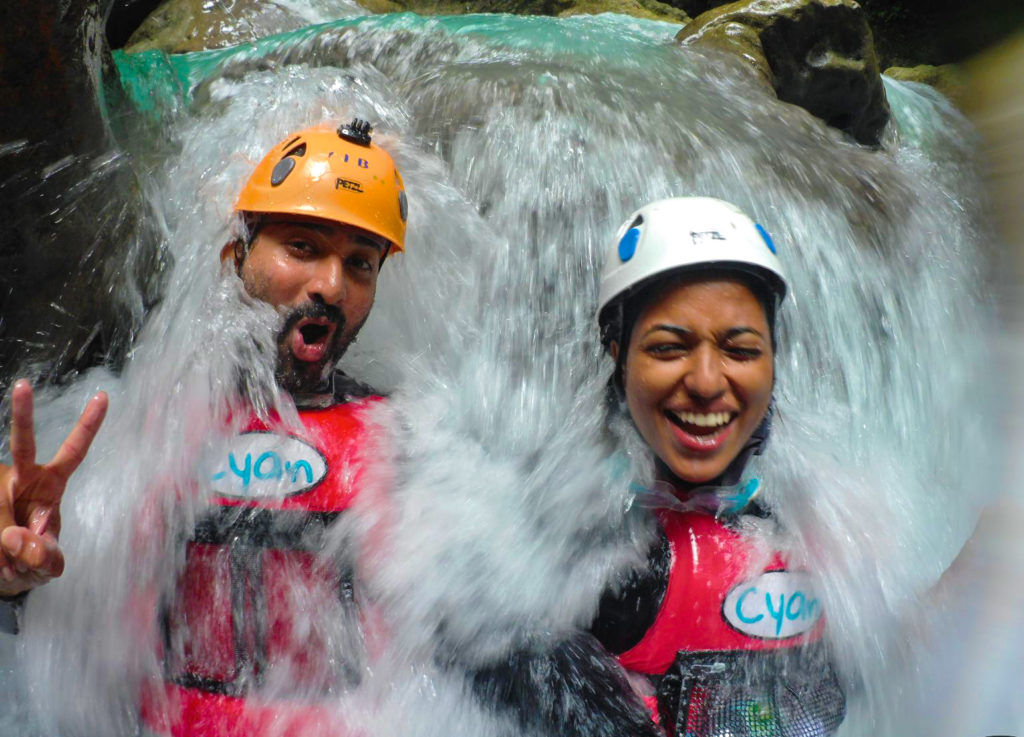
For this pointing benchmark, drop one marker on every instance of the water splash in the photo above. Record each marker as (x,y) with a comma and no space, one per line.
(523,143)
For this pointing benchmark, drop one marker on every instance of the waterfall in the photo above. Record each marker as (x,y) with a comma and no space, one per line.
(524,142)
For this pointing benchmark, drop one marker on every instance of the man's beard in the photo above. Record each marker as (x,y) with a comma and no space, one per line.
(305,377)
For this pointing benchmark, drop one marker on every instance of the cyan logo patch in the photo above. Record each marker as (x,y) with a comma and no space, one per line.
(776,605)
(264,465)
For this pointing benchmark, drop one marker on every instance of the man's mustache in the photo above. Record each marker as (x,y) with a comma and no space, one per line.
(315,310)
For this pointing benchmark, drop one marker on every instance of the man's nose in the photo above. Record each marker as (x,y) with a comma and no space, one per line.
(328,281)
(704,378)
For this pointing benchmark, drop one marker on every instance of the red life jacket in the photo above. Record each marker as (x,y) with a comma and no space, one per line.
(712,603)
(733,650)
(256,602)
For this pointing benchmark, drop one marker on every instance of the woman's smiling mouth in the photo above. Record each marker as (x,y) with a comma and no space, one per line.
(703,432)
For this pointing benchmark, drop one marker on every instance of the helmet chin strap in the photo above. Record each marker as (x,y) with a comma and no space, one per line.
(719,500)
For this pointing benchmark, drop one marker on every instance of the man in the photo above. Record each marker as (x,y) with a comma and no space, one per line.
(259,622)
(319,214)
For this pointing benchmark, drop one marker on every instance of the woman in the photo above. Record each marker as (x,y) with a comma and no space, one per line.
(728,636)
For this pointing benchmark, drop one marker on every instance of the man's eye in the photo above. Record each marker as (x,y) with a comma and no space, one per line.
(363,264)
(301,246)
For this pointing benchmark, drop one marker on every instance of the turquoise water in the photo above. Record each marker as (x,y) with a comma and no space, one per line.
(159,82)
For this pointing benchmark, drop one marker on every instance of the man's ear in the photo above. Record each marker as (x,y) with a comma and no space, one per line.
(613,348)
(233,252)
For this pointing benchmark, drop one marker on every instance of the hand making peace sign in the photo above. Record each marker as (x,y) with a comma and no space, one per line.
(30,494)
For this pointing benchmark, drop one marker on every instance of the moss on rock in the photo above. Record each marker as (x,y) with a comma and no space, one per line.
(179,26)
(652,9)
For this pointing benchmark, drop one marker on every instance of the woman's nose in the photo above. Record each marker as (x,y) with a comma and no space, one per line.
(328,281)
(704,377)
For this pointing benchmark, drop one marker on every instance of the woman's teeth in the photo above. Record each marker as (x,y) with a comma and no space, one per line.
(711,419)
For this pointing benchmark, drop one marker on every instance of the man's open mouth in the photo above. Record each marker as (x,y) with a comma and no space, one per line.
(311,338)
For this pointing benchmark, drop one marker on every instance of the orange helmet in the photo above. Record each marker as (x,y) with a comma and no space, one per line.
(337,175)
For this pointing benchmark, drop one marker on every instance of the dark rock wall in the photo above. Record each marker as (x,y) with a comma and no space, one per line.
(124,16)
(70,201)
(912,32)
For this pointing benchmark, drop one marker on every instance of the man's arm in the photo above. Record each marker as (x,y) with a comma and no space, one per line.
(30,496)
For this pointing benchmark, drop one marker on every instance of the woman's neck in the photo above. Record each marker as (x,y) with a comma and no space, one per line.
(682,488)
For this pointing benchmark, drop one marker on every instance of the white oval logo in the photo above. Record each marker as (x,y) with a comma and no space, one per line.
(776,605)
(262,465)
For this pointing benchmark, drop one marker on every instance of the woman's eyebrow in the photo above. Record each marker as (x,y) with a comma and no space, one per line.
(684,332)
(740,330)
(676,329)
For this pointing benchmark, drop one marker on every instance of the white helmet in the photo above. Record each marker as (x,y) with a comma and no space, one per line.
(686,233)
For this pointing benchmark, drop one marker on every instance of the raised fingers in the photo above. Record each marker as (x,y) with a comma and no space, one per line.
(23,437)
(72,451)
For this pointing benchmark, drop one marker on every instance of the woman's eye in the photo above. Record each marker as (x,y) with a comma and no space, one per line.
(665,349)
(744,353)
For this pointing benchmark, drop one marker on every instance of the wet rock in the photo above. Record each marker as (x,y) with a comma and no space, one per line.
(696,7)
(949,79)
(653,9)
(180,26)
(817,54)
(69,200)
(911,32)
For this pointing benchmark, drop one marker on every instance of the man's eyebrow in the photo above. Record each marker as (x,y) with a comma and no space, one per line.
(324,228)
(327,229)
(368,240)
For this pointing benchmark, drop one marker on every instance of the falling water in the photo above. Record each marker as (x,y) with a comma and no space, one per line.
(523,143)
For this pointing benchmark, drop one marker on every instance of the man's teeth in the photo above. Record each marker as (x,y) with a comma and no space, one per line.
(711,419)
